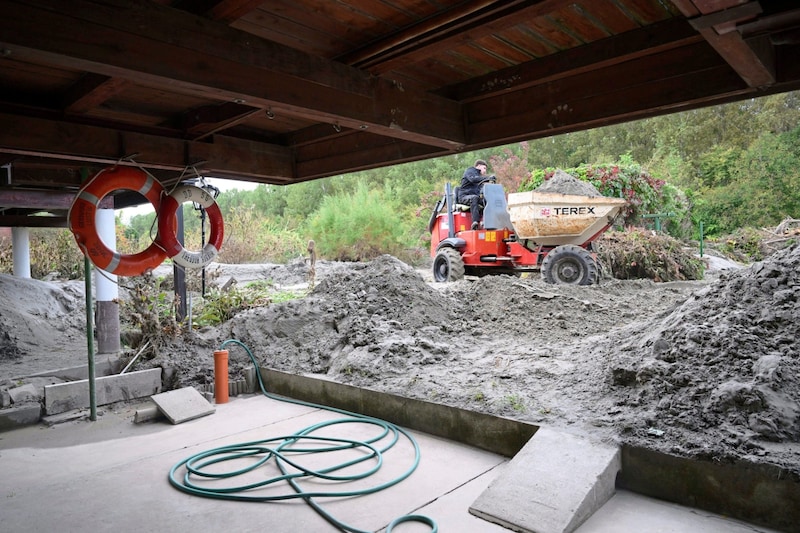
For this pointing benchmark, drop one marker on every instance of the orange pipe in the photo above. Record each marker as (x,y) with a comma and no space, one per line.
(221,376)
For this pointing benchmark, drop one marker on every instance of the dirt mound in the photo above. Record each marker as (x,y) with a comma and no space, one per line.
(39,317)
(564,183)
(725,362)
(703,369)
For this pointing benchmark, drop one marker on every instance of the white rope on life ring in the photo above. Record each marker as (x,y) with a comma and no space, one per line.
(167,223)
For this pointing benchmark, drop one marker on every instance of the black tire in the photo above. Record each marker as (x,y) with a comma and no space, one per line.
(448,265)
(569,265)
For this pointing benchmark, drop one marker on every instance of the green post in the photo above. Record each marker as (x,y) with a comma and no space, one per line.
(657,218)
(87,274)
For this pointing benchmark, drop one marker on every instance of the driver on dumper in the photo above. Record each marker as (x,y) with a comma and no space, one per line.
(469,192)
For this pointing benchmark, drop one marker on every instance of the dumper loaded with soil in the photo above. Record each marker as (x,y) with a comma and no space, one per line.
(532,231)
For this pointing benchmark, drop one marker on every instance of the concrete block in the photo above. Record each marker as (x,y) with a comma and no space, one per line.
(21,415)
(25,393)
(108,389)
(183,405)
(553,485)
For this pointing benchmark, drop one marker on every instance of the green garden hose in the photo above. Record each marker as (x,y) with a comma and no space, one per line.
(283,451)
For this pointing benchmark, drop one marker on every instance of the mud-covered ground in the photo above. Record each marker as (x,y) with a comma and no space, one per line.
(705,369)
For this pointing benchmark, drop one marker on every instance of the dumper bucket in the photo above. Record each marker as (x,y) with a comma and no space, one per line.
(553,219)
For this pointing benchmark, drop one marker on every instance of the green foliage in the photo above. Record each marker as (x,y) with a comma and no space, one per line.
(52,251)
(516,402)
(511,167)
(761,191)
(640,254)
(220,306)
(626,179)
(151,310)
(358,227)
(744,244)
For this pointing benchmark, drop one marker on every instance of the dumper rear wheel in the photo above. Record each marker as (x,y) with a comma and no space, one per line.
(448,265)
(570,265)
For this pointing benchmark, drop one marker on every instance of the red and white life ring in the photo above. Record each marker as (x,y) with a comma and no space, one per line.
(167,220)
(82,220)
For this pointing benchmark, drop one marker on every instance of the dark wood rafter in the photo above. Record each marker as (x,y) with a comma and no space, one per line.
(242,69)
(420,41)
(91,91)
(93,144)
(201,122)
(715,20)
(603,54)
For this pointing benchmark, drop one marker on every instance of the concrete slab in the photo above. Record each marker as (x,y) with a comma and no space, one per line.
(110,475)
(20,415)
(103,482)
(628,511)
(552,485)
(25,393)
(182,405)
(109,389)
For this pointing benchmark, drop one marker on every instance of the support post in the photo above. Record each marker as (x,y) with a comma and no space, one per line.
(108,338)
(179,272)
(21,252)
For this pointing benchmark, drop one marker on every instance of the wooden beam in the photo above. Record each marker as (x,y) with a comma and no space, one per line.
(228,11)
(41,200)
(91,91)
(227,156)
(22,221)
(356,152)
(207,59)
(756,69)
(602,54)
(412,36)
(203,121)
(404,50)
(646,88)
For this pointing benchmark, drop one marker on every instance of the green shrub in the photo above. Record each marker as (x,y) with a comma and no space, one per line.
(642,254)
(358,227)
(52,250)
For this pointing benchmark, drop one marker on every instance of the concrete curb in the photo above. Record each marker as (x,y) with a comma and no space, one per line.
(109,389)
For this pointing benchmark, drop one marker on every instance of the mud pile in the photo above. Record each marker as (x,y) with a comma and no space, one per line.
(704,370)
(699,369)
(564,183)
(726,362)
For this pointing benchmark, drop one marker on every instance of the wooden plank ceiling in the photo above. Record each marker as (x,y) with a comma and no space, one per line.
(283,91)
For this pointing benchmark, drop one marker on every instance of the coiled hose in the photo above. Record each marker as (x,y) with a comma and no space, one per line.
(284,450)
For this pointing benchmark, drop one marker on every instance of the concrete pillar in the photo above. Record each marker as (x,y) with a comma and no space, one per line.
(21,252)
(107,315)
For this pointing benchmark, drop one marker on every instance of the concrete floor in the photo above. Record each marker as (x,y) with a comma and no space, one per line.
(112,475)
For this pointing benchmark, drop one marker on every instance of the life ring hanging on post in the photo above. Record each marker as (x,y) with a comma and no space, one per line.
(167,220)
(82,220)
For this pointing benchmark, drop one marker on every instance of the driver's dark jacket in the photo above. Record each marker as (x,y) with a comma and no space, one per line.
(471,182)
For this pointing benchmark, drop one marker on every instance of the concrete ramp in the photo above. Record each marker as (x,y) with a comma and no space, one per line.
(554,484)
(182,405)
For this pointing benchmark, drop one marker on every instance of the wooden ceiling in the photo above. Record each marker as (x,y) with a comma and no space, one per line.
(283,91)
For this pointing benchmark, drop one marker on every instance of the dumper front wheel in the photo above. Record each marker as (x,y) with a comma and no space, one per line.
(448,265)
(570,265)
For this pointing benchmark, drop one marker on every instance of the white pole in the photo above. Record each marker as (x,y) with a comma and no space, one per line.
(21,252)
(107,318)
